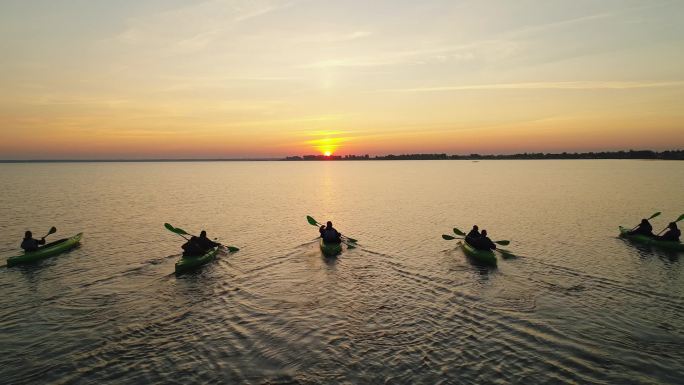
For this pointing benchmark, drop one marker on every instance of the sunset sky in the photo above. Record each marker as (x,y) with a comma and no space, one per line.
(234,79)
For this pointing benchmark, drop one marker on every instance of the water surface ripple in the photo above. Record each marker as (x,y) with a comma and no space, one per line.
(577,305)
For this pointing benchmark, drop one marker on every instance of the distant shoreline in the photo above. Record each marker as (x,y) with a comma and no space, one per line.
(630,154)
(624,155)
(136,160)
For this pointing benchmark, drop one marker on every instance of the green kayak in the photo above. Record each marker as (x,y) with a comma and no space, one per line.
(49,250)
(485,257)
(190,263)
(644,240)
(330,249)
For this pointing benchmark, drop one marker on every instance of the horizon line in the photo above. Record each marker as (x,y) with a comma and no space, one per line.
(335,157)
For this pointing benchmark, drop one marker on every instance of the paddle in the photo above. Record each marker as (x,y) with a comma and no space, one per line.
(461,233)
(175,231)
(349,242)
(678,219)
(53,230)
(649,218)
(451,238)
(231,249)
(182,233)
(313,222)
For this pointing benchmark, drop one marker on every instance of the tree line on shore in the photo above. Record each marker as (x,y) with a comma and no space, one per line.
(631,154)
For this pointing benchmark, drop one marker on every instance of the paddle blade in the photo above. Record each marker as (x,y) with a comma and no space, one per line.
(503,243)
(176,230)
(180,231)
(311,221)
(459,232)
(350,246)
(678,219)
(232,249)
(53,230)
(448,237)
(352,240)
(506,254)
(654,215)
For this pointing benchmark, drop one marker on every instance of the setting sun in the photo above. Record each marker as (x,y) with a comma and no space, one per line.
(328,143)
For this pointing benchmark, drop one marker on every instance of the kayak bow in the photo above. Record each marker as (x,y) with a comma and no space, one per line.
(49,250)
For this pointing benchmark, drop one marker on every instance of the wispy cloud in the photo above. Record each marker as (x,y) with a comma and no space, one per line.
(262,10)
(546,27)
(349,62)
(332,38)
(494,49)
(190,83)
(196,25)
(575,85)
(484,50)
(319,133)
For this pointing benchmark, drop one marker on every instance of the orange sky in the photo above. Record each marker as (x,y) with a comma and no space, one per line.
(236,79)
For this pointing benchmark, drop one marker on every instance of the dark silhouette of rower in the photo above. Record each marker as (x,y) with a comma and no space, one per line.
(644,228)
(483,242)
(198,246)
(672,234)
(329,234)
(29,244)
(473,234)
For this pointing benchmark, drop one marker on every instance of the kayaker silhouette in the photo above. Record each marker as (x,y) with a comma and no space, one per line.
(483,242)
(198,246)
(672,234)
(473,234)
(30,244)
(329,234)
(644,228)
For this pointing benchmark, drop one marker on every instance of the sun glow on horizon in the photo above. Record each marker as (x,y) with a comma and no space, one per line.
(327,145)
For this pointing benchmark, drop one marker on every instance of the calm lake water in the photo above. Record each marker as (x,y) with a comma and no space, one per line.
(578,305)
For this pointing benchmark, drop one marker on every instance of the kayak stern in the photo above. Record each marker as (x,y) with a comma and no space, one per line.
(330,249)
(186,264)
(485,257)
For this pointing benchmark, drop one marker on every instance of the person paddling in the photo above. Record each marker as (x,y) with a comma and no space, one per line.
(672,234)
(29,244)
(329,234)
(197,246)
(644,228)
(473,234)
(483,242)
